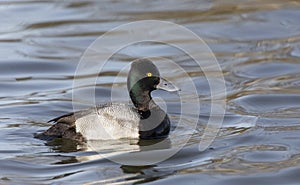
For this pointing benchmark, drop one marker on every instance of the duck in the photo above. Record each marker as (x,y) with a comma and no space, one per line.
(142,120)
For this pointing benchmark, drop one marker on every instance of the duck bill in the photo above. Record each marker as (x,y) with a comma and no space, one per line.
(167,86)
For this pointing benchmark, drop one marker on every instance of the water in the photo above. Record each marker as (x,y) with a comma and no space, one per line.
(255,42)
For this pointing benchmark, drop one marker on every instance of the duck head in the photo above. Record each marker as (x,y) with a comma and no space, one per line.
(143,78)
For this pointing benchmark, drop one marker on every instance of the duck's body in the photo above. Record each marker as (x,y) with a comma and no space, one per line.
(115,121)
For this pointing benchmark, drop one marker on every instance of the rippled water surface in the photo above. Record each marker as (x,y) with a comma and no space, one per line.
(257,44)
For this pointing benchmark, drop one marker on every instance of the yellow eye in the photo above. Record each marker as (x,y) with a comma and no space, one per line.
(149,74)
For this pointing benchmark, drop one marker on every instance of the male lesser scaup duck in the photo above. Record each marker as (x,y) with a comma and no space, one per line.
(115,121)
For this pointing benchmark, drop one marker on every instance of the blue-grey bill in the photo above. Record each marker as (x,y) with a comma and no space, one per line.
(167,86)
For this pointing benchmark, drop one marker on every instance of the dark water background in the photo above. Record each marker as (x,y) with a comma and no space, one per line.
(257,44)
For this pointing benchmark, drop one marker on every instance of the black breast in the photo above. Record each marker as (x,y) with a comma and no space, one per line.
(154,124)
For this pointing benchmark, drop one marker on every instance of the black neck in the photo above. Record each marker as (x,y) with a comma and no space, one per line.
(154,122)
(141,99)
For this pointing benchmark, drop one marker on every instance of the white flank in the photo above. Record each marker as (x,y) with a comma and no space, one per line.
(115,121)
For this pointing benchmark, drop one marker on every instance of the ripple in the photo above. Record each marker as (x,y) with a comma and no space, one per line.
(34,67)
(265,156)
(296,52)
(252,24)
(239,121)
(285,105)
(266,69)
